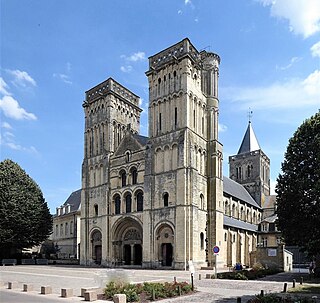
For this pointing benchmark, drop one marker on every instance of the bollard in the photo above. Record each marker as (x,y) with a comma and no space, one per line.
(179,290)
(301,280)
(238,299)
(66,292)
(153,295)
(27,287)
(174,279)
(294,283)
(285,287)
(262,293)
(90,295)
(46,290)
(199,276)
(192,285)
(12,285)
(120,298)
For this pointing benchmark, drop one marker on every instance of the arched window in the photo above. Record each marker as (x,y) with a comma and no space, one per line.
(165,199)
(128,203)
(134,176)
(140,201)
(202,201)
(201,241)
(96,210)
(233,214)
(117,203)
(123,176)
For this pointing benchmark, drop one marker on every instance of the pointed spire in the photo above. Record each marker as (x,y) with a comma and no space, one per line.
(249,142)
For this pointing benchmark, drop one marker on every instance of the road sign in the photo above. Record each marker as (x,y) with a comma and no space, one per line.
(216,250)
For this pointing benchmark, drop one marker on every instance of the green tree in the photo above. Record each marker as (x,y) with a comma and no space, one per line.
(25,219)
(298,188)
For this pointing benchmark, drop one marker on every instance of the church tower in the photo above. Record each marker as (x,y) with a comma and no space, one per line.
(183,173)
(251,167)
(109,108)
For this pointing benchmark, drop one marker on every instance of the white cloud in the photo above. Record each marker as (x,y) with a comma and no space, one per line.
(12,109)
(126,68)
(186,2)
(179,12)
(21,78)
(138,56)
(292,61)
(303,15)
(63,77)
(6,125)
(222,128)
(315,50)
(4,87)
(294,93)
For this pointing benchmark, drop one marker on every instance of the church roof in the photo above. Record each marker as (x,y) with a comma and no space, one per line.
(236,190)
(232,222)
(141,139)
(74,200)
(249,142)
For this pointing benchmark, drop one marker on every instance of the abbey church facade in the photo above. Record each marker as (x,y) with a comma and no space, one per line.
(162,200)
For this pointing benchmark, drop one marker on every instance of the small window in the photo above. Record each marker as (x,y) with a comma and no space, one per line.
(96,210)
(166,199)
(225,236)
(71,227)
(123,178)
(201,241)
(128,203)
(117,203)
(140,201)
(134,176)
(175,117)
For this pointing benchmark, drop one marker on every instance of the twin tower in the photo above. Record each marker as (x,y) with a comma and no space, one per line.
(154,201)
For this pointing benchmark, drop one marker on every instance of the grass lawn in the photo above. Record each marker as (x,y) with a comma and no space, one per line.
(305,289)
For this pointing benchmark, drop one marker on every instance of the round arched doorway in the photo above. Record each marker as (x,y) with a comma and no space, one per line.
(96,246)
(165,241)
(127,242)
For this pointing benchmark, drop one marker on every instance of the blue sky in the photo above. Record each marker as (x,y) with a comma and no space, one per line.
(53,51)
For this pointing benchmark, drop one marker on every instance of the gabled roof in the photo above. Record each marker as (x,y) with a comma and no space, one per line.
(133,142)
(232,222)
(74,200)
(249,141)
(236,190)
(141,139)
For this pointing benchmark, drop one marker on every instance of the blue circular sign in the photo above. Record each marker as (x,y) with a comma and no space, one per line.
(216,249)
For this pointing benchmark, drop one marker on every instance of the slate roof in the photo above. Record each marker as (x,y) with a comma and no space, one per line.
(236,190)
(74,200)
(141,139)
(249,142)
(270,219)
(232,222)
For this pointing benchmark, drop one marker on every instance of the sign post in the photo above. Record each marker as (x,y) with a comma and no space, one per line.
(216,250)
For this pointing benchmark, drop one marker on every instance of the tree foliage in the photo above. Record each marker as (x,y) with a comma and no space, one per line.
(298,188)
(25,219)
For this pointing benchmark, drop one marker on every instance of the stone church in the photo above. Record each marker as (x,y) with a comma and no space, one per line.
(162,200)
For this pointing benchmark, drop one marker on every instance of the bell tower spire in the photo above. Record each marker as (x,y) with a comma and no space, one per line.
(251,166)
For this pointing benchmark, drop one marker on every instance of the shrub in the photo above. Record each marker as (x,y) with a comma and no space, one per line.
(150,290)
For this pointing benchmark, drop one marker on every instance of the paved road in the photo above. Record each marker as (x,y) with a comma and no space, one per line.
(77,277)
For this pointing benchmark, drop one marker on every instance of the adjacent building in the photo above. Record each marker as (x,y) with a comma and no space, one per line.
(66,227)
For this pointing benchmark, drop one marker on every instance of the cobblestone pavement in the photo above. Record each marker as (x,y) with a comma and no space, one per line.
(76,277)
